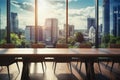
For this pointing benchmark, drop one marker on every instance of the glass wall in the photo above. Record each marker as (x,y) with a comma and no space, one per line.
(22,20)
(82,22)
(3,20)
(111,22)
(52,18)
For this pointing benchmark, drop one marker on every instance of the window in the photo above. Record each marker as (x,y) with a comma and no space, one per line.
(54,24)
(81,20)
(110,27)
(22,19)
(3,20)
(51,19)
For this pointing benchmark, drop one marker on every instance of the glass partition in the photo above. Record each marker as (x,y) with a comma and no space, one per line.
(82,24)
(22,20)
(51,20)
(111,22)
(3,20)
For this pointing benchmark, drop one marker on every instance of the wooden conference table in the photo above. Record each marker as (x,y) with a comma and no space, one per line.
(89,55)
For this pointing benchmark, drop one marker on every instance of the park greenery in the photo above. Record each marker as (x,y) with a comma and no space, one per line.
(74,41)
(109,39)
(19,40)
(16,39)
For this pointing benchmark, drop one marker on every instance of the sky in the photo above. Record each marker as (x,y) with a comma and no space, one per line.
(79,11)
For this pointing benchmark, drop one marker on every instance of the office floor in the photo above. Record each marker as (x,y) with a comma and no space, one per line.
(62,72)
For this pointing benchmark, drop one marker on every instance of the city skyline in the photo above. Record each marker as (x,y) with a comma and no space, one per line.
(78,12)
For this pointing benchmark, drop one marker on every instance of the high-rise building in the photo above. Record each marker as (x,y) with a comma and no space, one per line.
(51,30)
(14,22)
(90,23)
(100,28)
(116,20)
(30,33)
(111,17)
(70,30)
(91,34)
(61,33)
(106,16)
(27,33)
(40,33)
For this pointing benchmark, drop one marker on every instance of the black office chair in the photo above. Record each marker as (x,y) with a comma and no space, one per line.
(62,59)
(7,61)
(85,45)
(113,62)
(41,60)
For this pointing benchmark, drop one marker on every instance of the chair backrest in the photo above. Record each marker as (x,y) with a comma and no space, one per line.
(42,45)
(62,58)
(84,45)
(61,45)
(7,60)
(114,46)
(8,46)
(0,46)
(35,58)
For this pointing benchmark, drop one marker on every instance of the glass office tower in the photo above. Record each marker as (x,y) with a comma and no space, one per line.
(111,17)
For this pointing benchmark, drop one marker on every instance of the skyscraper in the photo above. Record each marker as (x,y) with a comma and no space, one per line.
(90,23)
(51,30)
(116,20)
(70,30)
(106,16)
(14,22)
(111,17)
(91,29)
(30,33)
(40,33)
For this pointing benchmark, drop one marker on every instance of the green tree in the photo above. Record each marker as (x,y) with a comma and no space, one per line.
(79,37)
(15,39)
(106,39)
(71,40)
(3,41)
(61,40)
(113,40)
(109,39)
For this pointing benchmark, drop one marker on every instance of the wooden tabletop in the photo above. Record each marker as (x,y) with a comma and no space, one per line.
(19,52)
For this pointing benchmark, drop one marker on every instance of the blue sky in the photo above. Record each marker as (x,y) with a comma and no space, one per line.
(79,10)
(81,4)
(3,6)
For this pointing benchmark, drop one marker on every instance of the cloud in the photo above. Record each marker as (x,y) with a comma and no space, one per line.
(72,0)
(59,3)
(56,1)
(26,19)
(24,6)
(88,11)
(77,17)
